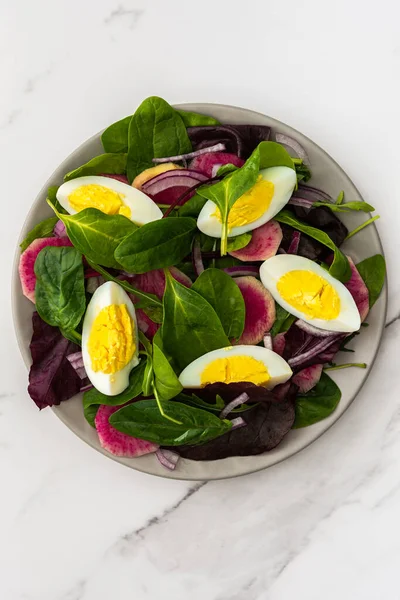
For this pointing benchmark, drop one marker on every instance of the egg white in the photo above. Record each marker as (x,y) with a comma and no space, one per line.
(274,268)
(108,293)
(278,369)
(143,209)
(284,180)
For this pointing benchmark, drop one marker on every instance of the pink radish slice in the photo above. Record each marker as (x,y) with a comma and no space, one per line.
(206,162)
(27,262)
(278,343)
(264,243)
(122,178)
(358,290)
(308,378)
(117,443)
(260,310)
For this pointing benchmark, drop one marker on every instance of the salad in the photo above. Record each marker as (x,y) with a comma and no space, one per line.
(193,288)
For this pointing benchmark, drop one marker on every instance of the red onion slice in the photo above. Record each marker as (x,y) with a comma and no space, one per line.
(294,201)
(238,422)
(196,257)
(312,330)
(86,388)
(240,271)
(178,177)
(268,341)
(76,360)
(294,244)
(168,458)
(286,140)
(234,404)
(59,229)
(215,148)
(311,193)
(312,352)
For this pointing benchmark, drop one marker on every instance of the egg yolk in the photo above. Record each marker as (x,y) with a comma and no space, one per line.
(251,206)
(235,368)
(97,196)
(111,342)
(310,294)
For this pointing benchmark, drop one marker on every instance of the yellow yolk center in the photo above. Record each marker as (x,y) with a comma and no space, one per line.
(97,196)
(235,368)
(111,342)
(251,206)
(310,294)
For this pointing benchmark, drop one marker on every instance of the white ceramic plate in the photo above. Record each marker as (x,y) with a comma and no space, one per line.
(327,175)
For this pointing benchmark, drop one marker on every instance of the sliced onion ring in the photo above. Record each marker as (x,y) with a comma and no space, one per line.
(178,177)
(233,404)
(168,458)
(294,244)
(314,350)
(268,341)
(196,257)
(238,422)
(215,148)
(312,330)
(281,138)
(240,271)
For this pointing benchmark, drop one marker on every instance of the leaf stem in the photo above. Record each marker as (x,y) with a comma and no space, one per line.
(72,335)
(160,408)
(345,366)
(360,227)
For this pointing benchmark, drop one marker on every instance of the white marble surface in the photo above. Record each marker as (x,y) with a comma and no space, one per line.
(324,524)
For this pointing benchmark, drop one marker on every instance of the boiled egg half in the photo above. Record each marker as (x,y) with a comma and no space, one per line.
(109,196)
(257,206)
(309,292)
(237,363)
(110,345)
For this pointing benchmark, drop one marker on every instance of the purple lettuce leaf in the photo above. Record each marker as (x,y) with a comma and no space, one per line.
(238,139)
(52,378)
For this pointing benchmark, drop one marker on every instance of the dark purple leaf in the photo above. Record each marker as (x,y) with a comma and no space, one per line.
(238,139)
(230,391)
(52,378)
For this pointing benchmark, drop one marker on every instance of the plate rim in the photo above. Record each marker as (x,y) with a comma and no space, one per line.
(15,290)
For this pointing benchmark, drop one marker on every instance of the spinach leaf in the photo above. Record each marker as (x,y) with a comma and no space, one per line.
(155,130)
(224,295)
(283,320)
(226,170)
(303,173)
(156,245)
(96,234)
(340,267)
(165,380)
(52,196)
(93,398)
(115,137)
(347,207)
(114,164)
(373,270)
(318,403)
(41,230)
(146,300)
(192,207)
(239,242)
(192,119)
(191,327)
(273,154)
(144,420)
(60,286)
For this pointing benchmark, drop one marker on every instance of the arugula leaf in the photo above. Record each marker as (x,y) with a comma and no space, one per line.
(96,234)
(373,271)
(193,119)
(155,130)
(340,198)
(156,245)
(239,242)
(347,207)
(340,267)
(60,286)
(93,398)
(165,380)
(224,295)
(362,226)
(41,230)
(191,326)
(318,403)
(303,173)
(143,419)
(113,164)
(115,137)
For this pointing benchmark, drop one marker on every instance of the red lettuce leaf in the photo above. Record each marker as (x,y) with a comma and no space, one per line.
(52,378)
(238,139)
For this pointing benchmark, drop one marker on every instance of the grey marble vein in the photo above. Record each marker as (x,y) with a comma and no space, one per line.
(132,15)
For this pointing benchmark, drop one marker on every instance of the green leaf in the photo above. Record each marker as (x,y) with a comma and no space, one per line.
(52,196)
(373,272)
(303,173)
(113,164)
(340,267)
(273,154)
(143,419)
(239,242)
(191,326)
(156,245)
(318,403)
(93,398)
(96,234)
(192,207)
(146,300)
(165,380)
(224,295)
(216,408)
(155,130)
(347,207)
(340,198)
(226,170)
(362,226)
(115,137)
(60,286)
(283,320)
(41,230)
(193,119)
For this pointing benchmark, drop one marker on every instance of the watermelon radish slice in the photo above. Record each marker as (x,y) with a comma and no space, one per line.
(307,378)
(264,243)
(117,443)
(27,262)
(260,310)
(358,290)
(206,162)
(278,343)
